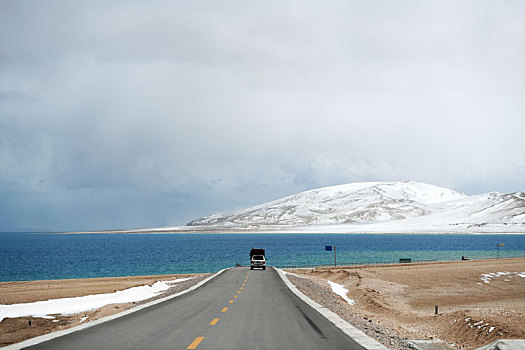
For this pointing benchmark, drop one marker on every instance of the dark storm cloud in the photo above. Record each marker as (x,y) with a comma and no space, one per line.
(134,114)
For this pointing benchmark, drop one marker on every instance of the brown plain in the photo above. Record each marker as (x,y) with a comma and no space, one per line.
(403,297)
(30,291)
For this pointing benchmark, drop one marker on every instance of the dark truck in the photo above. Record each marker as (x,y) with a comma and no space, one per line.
(257,259)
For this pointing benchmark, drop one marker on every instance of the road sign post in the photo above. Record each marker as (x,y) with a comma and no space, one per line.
(329,248)
(498,245)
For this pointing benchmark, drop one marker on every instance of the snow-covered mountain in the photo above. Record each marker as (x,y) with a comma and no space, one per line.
(380,207)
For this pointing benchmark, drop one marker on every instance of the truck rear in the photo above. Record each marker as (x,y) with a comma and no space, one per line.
(257,259)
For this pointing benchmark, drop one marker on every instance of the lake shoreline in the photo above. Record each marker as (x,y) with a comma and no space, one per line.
(283,232)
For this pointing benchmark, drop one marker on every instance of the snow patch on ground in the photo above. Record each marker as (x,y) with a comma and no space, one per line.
(487,277)
(339,289)
(69,306)
(480,325)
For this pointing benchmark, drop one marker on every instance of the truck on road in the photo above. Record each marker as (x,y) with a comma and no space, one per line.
(257,258)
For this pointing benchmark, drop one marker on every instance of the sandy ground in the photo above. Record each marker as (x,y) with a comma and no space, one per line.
(397,302)
(14,330)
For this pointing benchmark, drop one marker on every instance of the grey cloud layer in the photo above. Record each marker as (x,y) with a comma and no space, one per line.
(133,114)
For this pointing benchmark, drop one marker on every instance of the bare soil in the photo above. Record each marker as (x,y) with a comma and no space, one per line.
(399,300)
(14,330)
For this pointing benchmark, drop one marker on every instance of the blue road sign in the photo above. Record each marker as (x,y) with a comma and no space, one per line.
(328,248)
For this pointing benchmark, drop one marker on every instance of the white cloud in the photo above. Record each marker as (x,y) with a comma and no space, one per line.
(237,103)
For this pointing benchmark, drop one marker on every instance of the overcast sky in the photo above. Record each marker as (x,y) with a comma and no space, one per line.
(121,114)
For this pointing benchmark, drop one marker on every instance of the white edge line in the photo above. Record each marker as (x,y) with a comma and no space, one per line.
(47,337)
(354,333)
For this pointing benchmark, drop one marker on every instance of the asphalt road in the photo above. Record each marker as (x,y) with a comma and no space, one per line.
(239,309)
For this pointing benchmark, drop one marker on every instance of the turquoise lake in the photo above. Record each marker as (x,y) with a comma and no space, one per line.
(44,256)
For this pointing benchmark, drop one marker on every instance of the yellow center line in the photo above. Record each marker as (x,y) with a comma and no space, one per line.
(243,284)
(239,292)
(242,288)
(224,310)
(195,343)
(231,301)
(235,296)
(214,322)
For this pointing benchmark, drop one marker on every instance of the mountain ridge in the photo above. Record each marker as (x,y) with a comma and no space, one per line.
(382,206)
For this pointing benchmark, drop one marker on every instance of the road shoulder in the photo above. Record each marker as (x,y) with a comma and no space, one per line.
(354,333)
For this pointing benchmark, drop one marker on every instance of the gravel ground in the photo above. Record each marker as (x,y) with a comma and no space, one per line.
(323,295)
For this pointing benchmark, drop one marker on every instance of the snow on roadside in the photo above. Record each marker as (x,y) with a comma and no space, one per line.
(178,280)
(69,306)
(340,290)
(292,274)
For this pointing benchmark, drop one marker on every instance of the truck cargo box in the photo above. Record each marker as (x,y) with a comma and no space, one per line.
(256,252)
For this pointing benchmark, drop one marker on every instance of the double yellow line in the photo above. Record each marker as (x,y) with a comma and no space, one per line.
(195,343)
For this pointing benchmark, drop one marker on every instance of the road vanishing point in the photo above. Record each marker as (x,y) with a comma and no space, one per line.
(238,309)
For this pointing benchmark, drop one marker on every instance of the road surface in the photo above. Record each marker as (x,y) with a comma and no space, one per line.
(239,309)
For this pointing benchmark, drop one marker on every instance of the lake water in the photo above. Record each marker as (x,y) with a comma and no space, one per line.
(44,256)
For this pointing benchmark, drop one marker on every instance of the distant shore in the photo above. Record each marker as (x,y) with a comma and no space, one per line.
(313,229)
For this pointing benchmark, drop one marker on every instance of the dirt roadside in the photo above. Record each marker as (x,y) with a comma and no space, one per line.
(478,301)
(14,330)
